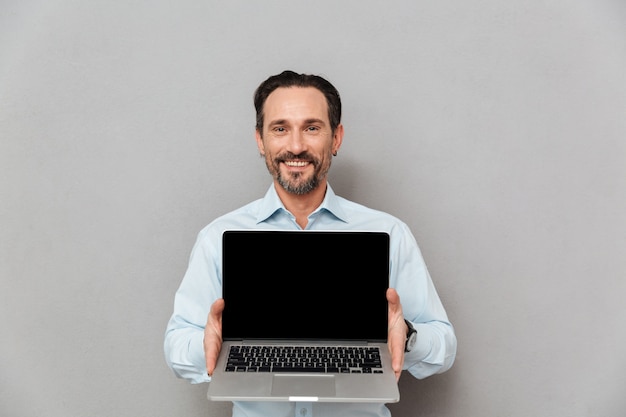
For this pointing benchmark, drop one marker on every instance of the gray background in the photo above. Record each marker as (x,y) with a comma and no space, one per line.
(496,130)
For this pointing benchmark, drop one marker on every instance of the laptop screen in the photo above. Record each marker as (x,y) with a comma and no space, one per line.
(305,285)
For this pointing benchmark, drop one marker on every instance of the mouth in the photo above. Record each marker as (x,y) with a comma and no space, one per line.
(296,164)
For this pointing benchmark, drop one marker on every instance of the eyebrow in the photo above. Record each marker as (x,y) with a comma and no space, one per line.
(314,121)
(279,122)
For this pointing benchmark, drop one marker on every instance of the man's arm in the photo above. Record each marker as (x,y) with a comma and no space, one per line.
(435,349)
(199,289)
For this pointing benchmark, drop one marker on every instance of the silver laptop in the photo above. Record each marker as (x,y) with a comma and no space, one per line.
(305,318)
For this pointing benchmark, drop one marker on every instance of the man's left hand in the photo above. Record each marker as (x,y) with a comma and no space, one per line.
(397,331)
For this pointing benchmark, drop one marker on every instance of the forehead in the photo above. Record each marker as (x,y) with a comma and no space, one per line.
(295,103)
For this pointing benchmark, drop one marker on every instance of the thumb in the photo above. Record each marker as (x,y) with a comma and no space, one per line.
(397,331)
(393,300)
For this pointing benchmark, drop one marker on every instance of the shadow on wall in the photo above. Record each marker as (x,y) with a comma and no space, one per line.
(220,408)
(424,398)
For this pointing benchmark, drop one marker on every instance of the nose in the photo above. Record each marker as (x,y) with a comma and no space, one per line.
(297,143)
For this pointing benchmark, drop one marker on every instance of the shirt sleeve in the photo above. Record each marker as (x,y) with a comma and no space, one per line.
(200,287)
(435,349)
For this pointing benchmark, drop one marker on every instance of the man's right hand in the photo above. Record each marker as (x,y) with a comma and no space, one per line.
(213,335)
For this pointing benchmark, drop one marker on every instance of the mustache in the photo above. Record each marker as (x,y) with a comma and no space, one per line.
(303,156)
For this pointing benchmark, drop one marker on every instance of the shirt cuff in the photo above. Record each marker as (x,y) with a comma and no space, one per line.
(423,346)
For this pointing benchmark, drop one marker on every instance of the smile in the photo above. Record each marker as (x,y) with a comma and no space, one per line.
(296,163)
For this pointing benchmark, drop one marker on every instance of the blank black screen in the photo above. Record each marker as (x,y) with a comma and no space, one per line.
(305,285)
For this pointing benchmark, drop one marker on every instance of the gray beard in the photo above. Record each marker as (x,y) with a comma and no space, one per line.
(300,189)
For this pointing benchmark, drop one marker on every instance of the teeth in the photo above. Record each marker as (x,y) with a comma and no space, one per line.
(296,163)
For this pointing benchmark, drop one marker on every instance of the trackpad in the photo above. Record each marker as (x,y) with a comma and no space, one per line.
(303,386)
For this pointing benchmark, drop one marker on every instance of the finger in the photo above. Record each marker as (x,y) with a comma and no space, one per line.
(217,308)
(397,359)
(397,338)
(213,335)
(394,306)
(393,302)
(392,296)
(397,332)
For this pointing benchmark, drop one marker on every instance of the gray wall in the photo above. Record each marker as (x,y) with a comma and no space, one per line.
(496,130)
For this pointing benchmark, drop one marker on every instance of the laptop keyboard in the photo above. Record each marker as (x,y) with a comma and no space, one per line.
(333,359)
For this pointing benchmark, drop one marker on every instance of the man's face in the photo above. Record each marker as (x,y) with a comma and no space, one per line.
(297,140)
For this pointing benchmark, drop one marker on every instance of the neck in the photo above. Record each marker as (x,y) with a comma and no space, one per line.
(301,205)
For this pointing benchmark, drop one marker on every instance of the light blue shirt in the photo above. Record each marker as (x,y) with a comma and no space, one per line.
(434,351)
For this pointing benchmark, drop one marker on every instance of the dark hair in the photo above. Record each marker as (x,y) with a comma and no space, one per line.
(292,79)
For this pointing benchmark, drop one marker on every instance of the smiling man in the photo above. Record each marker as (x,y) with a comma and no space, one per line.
(298,142)
(298,131)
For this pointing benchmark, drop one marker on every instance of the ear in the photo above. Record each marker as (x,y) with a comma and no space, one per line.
(259,142)
(338,138)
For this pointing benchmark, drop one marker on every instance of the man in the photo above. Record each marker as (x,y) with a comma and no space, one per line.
(298,131)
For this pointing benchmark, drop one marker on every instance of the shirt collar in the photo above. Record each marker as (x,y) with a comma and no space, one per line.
(271,203)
